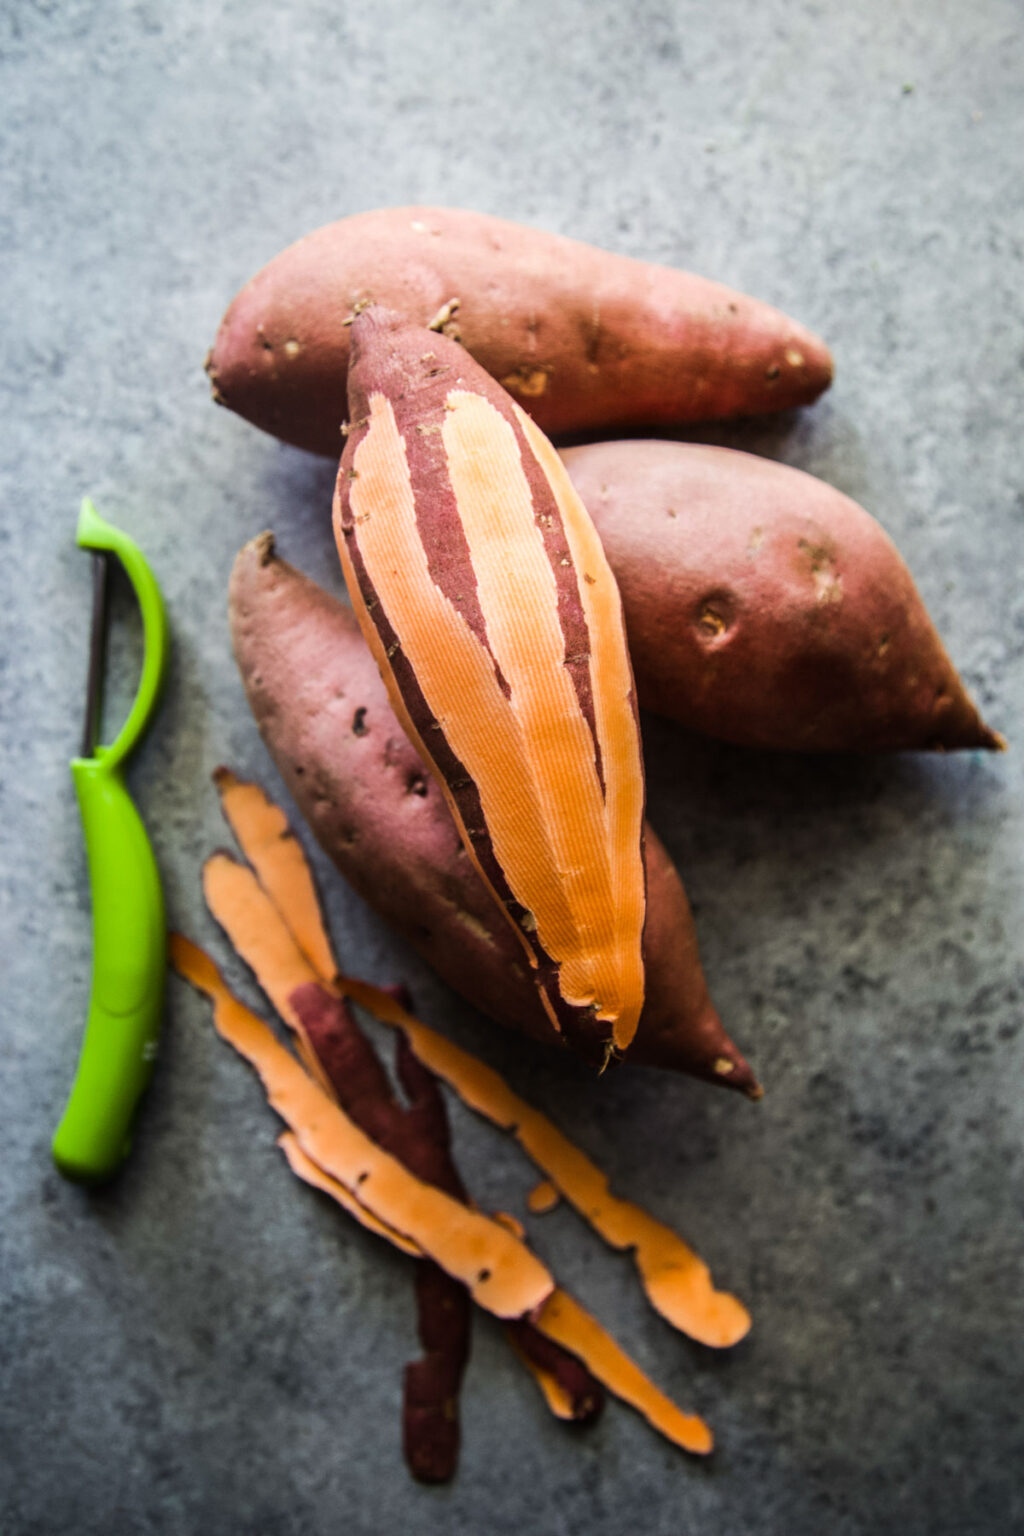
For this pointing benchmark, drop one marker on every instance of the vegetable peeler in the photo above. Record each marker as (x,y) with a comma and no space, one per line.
(129,930)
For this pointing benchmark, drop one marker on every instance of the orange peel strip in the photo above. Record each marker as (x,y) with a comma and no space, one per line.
(543,1197)
(554,1394)
(677,1281)
(258,932)
(239,903)
(500,1272)
(263,833)
(311,1173)
(567,1323)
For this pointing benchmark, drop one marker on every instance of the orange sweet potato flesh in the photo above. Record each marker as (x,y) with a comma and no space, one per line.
(764,607)
(584,339)
(317,697)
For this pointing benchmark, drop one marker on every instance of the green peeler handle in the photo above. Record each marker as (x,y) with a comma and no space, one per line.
(129,931)
(129,959)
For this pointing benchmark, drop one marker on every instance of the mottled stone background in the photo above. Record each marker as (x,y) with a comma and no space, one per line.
(206,1346)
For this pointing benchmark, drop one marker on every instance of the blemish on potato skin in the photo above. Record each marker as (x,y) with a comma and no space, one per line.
(592,339)
(528,382)
(445,322)
(357,308)
(794,358)
(359,725)
(828,584)
(710,621)
(713,619)
(473,925)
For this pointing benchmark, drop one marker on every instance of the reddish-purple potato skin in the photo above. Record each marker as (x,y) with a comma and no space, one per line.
(584,339)
(766,608)
(417,1134)
(324,714)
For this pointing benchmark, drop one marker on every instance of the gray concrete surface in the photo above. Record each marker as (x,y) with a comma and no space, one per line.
(207,1347)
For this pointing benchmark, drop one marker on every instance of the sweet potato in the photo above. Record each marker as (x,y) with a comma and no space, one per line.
(766,608)
(323,711)
(483,592)
(584,339)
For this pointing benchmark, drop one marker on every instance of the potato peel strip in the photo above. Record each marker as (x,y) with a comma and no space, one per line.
(311,1173)
(543,1197)
(229,888)
(257,931)
(567,1323)
(501,1274)
(279,859)
(675,1279)
(557,1398)
(677,1282)
(313,1117)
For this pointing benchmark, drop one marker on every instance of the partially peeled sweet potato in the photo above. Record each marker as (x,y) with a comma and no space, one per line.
(584,339)
(483,592)
(318,699)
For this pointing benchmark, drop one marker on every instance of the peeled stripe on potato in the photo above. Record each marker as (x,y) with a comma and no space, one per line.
(484,594)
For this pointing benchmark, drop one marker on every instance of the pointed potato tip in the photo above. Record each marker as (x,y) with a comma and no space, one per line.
(802,363)
(701,1049)
(821,367)
(969,735)
(368,318)
(732,1070)
(212,372)
(263,548)
(253,576)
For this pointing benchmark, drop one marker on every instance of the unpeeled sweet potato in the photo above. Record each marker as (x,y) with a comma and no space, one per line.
(585,340)
(764,607)
(323,711)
